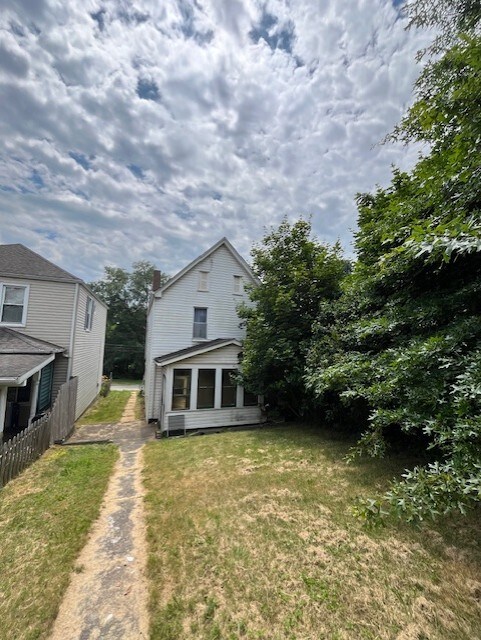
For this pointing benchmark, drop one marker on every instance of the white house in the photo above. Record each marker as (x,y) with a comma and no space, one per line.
(52,328)
(194,344)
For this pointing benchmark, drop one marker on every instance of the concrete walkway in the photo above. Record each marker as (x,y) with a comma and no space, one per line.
(107,596)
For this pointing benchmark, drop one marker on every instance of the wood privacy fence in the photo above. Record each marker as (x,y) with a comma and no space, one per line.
(28,445)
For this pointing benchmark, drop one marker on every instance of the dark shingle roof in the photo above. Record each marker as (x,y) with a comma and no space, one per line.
(19,353)
(14,342)
(190,351)
(16,260)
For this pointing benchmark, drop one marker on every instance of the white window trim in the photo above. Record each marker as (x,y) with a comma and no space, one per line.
(26,296)
(194,338)
(89,317)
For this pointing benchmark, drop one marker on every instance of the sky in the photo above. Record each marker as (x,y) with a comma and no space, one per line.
(147,130)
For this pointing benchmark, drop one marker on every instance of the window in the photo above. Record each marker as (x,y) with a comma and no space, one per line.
(250,399)
(203,281)
(181,390)
(89,314)
(229,388)
(238,284)
(206,389)
(200,322)
(13,304)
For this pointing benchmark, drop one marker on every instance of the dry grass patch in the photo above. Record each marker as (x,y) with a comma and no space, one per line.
(251,536)
(45,515)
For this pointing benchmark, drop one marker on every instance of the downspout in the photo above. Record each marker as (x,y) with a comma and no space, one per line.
(73,328)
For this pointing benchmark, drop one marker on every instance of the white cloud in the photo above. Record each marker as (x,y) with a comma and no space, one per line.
(149,130)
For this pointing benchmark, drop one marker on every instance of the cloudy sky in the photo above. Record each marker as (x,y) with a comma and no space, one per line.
(150,129)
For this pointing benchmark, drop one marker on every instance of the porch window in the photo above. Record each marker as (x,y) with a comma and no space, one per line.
(229,388)
(206,389)
(200,322)
(13,304)
(250,399)
(181,390)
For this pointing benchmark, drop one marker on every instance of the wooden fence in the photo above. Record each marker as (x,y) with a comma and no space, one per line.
(28,445)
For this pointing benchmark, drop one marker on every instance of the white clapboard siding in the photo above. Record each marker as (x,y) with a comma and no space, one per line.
(171,316)
(88,351)
(212,418)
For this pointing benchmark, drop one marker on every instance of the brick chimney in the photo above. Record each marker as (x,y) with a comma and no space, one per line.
(156,280)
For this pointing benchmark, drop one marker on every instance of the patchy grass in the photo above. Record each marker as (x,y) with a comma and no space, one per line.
(106,410)
(251,536)
(45,516)
(139,408)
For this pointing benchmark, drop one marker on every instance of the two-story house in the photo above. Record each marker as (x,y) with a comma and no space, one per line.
(52,328)
(194,344)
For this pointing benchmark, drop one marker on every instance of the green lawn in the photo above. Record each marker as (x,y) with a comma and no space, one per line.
(45,516)
(251,535)
(106,409)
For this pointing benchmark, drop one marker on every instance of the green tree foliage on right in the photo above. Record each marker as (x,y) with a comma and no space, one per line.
(298,278)
(407,341)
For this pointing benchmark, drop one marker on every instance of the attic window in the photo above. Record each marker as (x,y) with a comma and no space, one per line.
(238,284)
(203,281)
(200,323)
(13,304)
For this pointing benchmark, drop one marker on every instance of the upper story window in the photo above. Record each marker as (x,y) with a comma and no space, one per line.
(238,288)
(203,281)
(13,302)
(89,314)
(200,322)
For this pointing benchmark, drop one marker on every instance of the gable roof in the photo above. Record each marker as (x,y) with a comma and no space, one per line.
(21,356)
(222,242)
(16,260)
(204,347)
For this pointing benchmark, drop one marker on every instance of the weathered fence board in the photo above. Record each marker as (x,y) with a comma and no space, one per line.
(20,451)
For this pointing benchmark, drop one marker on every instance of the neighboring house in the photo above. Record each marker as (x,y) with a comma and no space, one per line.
(52,328)
(194,344)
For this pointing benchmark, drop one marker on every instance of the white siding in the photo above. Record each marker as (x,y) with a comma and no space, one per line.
(49,312)
(171,317)
(88,351)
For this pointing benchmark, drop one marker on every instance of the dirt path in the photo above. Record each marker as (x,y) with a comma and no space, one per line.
(107,596)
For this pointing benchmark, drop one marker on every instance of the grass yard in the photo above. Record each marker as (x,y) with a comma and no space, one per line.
(106,409)
(45,515)
(251,537)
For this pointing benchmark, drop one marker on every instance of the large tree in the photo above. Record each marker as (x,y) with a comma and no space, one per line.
(408,341)
(297,275)
(126,293)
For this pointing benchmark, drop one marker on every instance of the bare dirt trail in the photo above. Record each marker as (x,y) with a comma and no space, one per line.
(107,596)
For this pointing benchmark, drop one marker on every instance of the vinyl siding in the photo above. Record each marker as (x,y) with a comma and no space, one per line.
(88,352)
(49,311)
(60,373)
(171,317)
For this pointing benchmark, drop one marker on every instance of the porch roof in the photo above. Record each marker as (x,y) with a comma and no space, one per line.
(21,356)
(202,347)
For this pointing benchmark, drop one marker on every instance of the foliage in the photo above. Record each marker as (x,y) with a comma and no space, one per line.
(127,296)
(105,386)
(297,276)
(406,341)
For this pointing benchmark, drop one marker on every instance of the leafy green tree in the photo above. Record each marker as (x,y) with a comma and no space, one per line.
(409,347)
(126,294)
(297,276)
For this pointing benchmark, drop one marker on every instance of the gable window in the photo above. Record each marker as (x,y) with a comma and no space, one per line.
(89,314)
(206,389)
(181,389)
(200,322)
(13,304)
(238,284)
(203,281)
(229,388)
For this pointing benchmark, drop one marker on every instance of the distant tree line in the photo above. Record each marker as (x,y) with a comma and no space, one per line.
(394,346)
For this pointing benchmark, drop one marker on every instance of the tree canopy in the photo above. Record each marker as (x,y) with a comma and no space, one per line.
(407,341)
(297,276)
(126,294)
